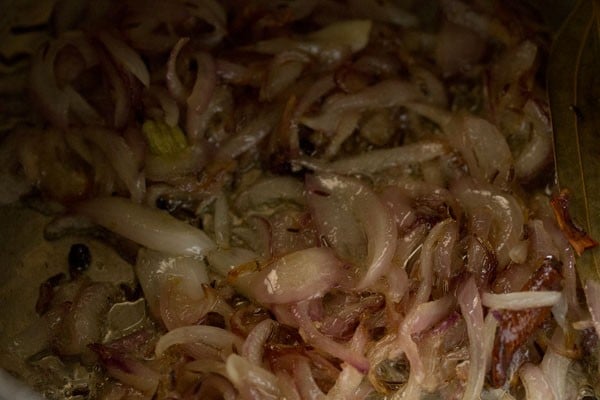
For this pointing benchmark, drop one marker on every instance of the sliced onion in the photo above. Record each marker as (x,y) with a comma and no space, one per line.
(317,90)
(84,323)
(127,370)
(34,338)
(426,315)
(489,336)
(335,220)
(54,102)
(345,129)
(149,227)
(346,384)
(202,92)
(389,93)
(220,339)
(186,276)
(287,386)
(507,215)
(212,125)
(254,344)
(556,366)
(351,34)
(233,72)
(463,14)
(514,65)
(222,223)
(305,380)
(377,160)
(223,261)
(206,366)
(592,294)
(82,109)
(354,200)
(521,300)
(419,318)
(434,240)
(298,276)
(174,84)
(470,307)
(537,153)
(126,56)
(284,70)
(541,242)
(270,191)
(122,158)
(247,377)
(312,335)
(409,246)
(248,138)
(168,104)
(477,139)
(567,256)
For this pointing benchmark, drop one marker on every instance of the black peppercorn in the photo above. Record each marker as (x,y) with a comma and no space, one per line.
(79,259)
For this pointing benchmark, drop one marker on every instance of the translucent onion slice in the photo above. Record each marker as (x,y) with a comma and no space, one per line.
(470,307)
(149,227)
(389,93)
(521,300)
(122,158)
(83,324)
(202,93)
(556,366)
(222,261)
(535,382)
(298,276)
(381,159)
(324,343)
(592,293)
(349,199)
(126,56)
(249,378)
(174,84)
(507,216)
(218,338)
(271,190)
(254,345)
(128,370)
(155,269)
(352,35)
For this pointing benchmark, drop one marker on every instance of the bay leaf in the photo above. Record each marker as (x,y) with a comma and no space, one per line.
(574,95)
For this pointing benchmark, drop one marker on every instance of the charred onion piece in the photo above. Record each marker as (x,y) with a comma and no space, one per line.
(579,239)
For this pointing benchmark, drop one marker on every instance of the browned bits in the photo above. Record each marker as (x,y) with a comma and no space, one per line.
(578,238)
(514,327)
